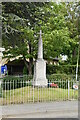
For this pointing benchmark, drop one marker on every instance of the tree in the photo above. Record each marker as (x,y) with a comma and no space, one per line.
(18,35)
(73,22)
(22,22)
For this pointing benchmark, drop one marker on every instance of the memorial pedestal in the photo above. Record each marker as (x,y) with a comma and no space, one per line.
(40,73)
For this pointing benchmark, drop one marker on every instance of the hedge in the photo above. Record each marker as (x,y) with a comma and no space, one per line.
(14,82)
(62,80)
(62,69)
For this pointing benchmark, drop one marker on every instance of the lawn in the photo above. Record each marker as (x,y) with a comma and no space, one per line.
(29,94)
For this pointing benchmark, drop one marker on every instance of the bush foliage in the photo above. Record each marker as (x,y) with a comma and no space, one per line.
(62,69)
(14,82)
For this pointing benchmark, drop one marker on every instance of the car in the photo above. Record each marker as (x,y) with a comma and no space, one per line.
(52,85)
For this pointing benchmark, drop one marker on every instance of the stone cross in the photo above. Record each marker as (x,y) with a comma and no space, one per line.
(40,46)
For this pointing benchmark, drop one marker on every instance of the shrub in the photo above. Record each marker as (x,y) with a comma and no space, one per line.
(14,82)
(62,69)
(61,80)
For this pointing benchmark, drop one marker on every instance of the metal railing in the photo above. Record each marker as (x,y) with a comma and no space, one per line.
(22,90)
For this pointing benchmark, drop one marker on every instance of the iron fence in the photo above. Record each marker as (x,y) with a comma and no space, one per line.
(19,89)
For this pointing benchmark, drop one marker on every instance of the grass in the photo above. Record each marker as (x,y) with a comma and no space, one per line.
(29,94)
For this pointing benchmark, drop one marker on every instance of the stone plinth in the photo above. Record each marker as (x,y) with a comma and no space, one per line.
(40,73)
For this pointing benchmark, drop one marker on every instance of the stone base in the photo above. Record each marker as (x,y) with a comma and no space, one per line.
(40,73)
(40,83)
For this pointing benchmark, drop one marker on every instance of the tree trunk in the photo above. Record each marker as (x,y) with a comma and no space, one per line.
(30,63)
(30,66)
(74,56)
(25,62)
(30,59)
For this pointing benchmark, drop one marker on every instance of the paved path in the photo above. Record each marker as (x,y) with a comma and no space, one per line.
(65,109)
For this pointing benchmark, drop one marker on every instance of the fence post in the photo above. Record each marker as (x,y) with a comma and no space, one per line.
(33,90)
(68,89)
(0,88)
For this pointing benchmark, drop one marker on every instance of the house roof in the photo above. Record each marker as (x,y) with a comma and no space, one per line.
(4,61)
(12,61)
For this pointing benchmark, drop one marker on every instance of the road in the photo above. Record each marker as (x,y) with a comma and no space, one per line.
(65,109)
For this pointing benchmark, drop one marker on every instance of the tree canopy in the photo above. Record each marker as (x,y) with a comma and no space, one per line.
(22,22)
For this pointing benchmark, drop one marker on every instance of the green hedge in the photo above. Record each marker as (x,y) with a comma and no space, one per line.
(55,77)
(62,69)
(14,82)
(62,80)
